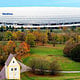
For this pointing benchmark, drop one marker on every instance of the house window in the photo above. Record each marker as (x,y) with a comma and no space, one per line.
(11,69)
(13,61)
(15,69)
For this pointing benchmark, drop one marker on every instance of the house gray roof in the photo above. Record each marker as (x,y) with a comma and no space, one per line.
(9,59)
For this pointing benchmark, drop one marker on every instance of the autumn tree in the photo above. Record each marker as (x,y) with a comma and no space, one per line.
(23,48)
(20,35)
(1,36)
(65,37)
(10,47)
(64,29)
(37,36)
(30,39)
(3,55)
(8,35)
(14,35)
(1,49)
(53,39)
(60,38)
(44,38)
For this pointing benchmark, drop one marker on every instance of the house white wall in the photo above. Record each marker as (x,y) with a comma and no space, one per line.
(13,70)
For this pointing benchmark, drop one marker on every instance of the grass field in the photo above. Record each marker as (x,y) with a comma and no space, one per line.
(69,76)
(54,53)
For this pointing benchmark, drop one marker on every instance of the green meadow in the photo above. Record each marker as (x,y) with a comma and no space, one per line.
(69,76)
(53,53)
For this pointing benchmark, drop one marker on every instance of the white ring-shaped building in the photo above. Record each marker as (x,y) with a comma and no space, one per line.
(38,16)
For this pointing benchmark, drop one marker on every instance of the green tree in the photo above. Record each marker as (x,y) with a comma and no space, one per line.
(2,28)
(22,29)
(1,36)
(7,28)
(30,39)
(12,28)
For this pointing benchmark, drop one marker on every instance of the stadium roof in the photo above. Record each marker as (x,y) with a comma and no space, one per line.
(39,15)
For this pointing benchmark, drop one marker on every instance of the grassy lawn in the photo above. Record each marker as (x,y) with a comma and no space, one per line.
(53,53)
(69,76)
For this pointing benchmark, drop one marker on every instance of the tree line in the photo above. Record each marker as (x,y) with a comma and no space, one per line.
(35,37)
(40,37)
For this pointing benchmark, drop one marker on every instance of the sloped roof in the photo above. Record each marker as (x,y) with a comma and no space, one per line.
(9,59)
(2,74)
(24,67)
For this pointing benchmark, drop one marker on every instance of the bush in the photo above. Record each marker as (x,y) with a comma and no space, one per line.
(41,66)
(54,67)
(73,51)
(33,63)
(68,46)
(67,50)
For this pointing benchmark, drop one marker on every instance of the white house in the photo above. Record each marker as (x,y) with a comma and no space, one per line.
(12,68)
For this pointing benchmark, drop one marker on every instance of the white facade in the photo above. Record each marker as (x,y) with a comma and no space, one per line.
(12,71)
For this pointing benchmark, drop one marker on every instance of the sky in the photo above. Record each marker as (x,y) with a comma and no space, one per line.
(40,3)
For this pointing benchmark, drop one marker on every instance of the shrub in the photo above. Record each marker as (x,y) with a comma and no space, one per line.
(33,63)
(67,50)
(69,45)
(54,68)
(42,66)
(38,64)
(75,52)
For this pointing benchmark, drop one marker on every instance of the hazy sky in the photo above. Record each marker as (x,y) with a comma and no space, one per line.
(53,3)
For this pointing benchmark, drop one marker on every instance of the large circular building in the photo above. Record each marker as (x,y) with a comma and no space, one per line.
(40,16)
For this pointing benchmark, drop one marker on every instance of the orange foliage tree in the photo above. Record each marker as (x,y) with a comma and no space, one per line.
(10,47)
(23,48)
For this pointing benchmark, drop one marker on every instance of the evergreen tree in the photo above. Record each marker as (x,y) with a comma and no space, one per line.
(22,29)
